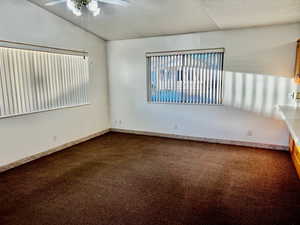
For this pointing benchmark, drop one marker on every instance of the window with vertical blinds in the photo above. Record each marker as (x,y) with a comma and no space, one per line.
(188,77)
(34,81)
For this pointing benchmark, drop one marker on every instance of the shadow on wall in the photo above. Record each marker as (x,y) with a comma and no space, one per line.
(258,93)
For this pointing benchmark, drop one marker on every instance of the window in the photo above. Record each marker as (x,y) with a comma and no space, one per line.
(188,77)
(34,81)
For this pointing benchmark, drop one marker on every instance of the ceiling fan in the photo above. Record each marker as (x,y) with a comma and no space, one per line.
(92,5)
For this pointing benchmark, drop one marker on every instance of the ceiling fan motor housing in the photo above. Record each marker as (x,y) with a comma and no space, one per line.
(81,3)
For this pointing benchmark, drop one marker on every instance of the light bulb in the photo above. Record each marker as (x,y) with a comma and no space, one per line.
(97,12)
(77,12)
(93,6)
(71,5)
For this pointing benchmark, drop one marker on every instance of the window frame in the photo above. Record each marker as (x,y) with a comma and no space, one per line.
(182,52)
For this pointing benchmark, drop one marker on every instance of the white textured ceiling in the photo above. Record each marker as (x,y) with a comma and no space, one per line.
(144,18)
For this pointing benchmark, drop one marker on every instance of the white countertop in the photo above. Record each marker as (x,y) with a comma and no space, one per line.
(291,115)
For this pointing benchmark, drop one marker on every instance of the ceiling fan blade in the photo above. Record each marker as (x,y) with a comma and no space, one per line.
(115,2)
(55,2)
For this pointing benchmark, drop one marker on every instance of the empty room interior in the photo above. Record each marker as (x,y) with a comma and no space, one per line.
(149,112)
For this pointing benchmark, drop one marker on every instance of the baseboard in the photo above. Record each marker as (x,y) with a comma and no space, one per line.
(51,151)
(202,139)
(146,133)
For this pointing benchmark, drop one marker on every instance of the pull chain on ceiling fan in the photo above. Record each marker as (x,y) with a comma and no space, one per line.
(92,5)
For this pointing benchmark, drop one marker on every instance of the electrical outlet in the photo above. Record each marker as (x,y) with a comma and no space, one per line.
(54,138)
(249,133)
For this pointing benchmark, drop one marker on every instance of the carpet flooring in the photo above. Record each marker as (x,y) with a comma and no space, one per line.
(122,179)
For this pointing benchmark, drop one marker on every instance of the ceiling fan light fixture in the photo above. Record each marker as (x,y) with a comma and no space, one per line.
(97,12)
(77,12)
(93,6)
(70,5)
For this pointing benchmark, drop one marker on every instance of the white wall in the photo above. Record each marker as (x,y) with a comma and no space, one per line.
(24,136)
(259,65)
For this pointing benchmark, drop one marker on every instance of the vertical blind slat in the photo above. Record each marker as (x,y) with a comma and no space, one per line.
(162,99)
(185,74)
(80,84)
(166,97)
(24,83)
(188,77)
(153,78)
(200,79)
(160,78)
(11,84)
(211,78)
(72,78)
(208,78)
(36,81)
(3,86)
(173,81)
(156,73)
(164,79)
(76,85)
(177,78)
(218,79)
(166,82)
(221,79)
(194,82)
(6,83)
(153,72)
(187,98)
(197,78)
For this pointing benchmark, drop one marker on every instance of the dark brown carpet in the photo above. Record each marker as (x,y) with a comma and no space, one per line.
(130,179)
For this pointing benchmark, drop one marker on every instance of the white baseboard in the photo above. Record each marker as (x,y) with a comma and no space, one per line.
(202,139)
(146,133)
(51,151)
